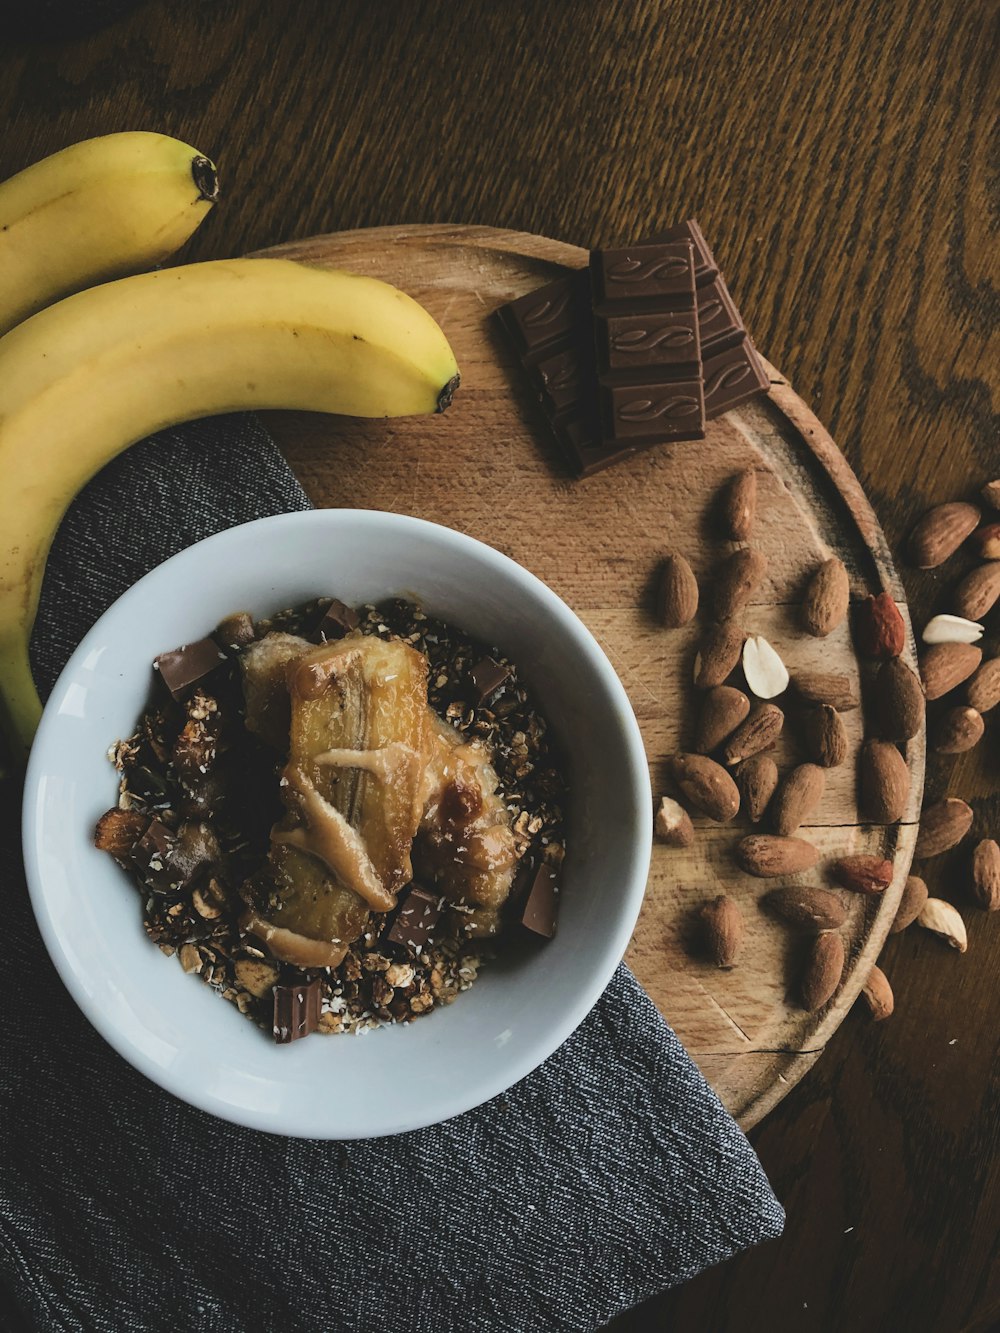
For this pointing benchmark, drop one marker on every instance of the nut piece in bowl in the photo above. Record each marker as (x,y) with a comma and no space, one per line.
(525,1002)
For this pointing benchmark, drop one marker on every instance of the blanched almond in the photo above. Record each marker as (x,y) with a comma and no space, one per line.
(944,920)
(765,672)
(951,629)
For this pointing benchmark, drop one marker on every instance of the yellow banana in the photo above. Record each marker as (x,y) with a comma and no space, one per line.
(86,378)
(94,211)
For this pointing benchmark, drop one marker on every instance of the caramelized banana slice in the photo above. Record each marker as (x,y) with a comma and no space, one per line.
(465,843)
(265,690)
(352,788)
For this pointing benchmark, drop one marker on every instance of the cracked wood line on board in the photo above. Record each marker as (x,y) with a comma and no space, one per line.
(489,468)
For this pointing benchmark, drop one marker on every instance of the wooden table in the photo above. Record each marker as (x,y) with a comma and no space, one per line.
(840,165)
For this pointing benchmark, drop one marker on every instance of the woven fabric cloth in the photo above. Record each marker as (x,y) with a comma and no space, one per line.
(610,1173)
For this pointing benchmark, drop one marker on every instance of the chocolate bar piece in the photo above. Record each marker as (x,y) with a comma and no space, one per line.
(732,370)
(183,668)
(541,907)
(335,621)
(488,677)
(648,344)
(415,920)
(296,1010)
(151,856)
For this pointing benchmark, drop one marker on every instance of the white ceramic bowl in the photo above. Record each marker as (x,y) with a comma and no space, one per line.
(176,1030)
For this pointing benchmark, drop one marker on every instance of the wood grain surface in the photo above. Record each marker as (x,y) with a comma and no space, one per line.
(839,155)
(490,468)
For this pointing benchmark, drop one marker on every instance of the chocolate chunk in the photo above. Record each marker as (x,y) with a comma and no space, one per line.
(151,856)
(334,622)
(649,275)
(541,906)
(415,919)
(182,669)
(545,319)
(296,1010)
(705,267)
(732,375)
(488,677)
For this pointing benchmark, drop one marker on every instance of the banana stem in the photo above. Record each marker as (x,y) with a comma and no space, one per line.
(20,706)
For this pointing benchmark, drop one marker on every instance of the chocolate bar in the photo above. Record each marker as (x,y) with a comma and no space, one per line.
(648,346)
(488,677)
(551,332)
(296,1010)
(731,368)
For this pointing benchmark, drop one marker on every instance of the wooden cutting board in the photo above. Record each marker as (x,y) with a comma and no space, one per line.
(489,468)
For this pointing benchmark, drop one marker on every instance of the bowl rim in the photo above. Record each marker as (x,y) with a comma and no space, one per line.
(630,889)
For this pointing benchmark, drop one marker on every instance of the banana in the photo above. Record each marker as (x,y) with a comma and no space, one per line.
(95,211)
(84,379)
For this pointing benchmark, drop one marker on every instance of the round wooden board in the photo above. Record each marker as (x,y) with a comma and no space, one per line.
(489,468)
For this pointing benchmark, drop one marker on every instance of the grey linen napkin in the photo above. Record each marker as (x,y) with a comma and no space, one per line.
(609,1174)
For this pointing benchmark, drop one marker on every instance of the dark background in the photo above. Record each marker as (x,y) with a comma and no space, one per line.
(839,156)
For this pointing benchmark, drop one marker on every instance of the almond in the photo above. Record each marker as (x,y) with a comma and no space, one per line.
(823,970)
(910,904)
(899,701)
(677,598)
(672,824)
(946,665)
(940,533)
(878,995)
(991,493)
(739,577)
(797,798)
(879,629)
(978,592)
(885,782)
(739,505)
(824,687)
(943,919)
(765,672)
(825,604)
(756,778)
(983,690)
(767,856)
(825,736)
(722,924)
(707,786)
(987,542)
(943,826)
(958,730)
(758,732)
(862,873)
(951,629)
(719,652)
(807,907)
(723,709)
(986,874)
